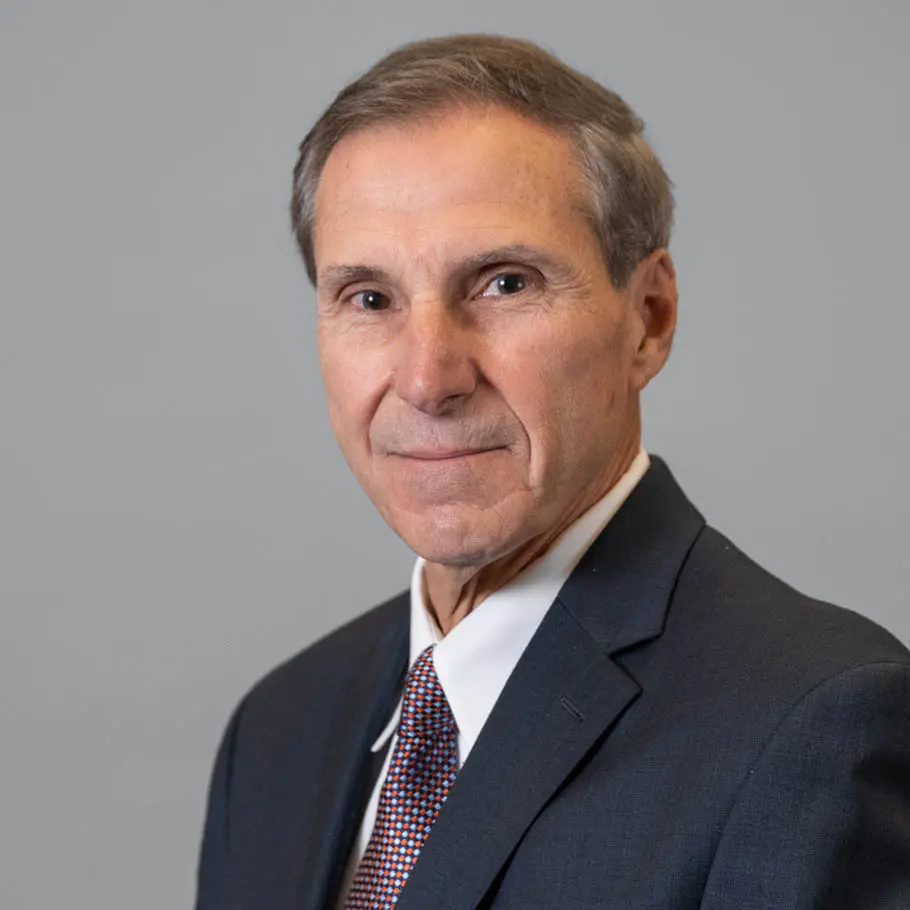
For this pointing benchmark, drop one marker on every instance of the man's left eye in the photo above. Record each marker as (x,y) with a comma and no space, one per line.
(506,284)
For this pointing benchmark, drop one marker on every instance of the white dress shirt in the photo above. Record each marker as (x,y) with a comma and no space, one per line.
(476,658)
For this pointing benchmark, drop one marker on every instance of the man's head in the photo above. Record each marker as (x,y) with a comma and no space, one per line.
(486,230)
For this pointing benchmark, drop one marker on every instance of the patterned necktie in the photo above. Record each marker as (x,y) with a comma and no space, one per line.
(422,770)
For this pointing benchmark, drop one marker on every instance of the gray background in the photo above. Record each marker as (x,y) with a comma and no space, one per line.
(174,515)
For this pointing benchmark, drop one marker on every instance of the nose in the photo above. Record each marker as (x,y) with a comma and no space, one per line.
(435,368)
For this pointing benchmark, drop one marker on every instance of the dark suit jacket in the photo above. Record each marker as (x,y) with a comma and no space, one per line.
(683,731)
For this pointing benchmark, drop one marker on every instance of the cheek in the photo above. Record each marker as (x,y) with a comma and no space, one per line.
(569,394)
(351,382)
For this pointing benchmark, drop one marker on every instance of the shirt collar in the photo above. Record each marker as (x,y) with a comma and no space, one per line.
(475,659)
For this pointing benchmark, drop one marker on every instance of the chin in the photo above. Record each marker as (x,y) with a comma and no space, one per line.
(448,537)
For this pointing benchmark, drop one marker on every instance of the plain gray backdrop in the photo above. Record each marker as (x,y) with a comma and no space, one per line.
(175,517)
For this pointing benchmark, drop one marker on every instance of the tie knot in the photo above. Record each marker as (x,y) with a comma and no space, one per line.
(425,711)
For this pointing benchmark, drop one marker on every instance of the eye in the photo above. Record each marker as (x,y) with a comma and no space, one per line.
(506,284)
(370,301)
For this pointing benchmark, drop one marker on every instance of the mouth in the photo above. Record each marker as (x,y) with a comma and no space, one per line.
(437,455)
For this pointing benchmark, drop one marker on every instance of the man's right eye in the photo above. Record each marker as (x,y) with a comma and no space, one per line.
(370,301)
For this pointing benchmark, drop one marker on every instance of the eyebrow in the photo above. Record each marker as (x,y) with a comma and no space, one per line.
(337,276)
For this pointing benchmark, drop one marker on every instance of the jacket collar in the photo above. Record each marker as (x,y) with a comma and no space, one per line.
(620,590)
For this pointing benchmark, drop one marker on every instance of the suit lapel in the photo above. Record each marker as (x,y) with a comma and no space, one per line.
(348,767)
(565,692)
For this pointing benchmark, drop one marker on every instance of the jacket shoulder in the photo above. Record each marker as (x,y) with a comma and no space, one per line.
(329,664)
(766,627)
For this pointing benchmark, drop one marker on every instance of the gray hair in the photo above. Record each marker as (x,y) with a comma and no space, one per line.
(630,204)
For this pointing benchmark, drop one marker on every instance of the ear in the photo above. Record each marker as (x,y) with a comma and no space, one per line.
(654,299)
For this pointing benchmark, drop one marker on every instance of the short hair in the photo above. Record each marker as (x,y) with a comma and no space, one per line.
(630,198)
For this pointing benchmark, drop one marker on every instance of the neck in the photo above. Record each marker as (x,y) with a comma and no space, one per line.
(452,592)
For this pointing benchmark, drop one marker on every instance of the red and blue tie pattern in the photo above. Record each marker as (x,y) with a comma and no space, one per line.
(422,771)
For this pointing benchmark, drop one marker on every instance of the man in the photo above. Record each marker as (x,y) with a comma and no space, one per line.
(588,698)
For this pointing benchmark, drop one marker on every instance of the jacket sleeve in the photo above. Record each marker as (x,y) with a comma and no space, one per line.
(823,817)
(213,871)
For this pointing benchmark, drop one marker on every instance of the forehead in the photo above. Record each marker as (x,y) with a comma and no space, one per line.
(463,178)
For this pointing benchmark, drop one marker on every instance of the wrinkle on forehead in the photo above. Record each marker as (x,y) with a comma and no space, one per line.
(435,192)
(462,159)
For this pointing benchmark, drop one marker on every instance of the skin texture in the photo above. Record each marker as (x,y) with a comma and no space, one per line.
(482,372)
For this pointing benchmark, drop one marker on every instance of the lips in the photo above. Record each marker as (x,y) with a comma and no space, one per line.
(444,454)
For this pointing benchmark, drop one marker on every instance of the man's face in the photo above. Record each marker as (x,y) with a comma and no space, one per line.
(478,363)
